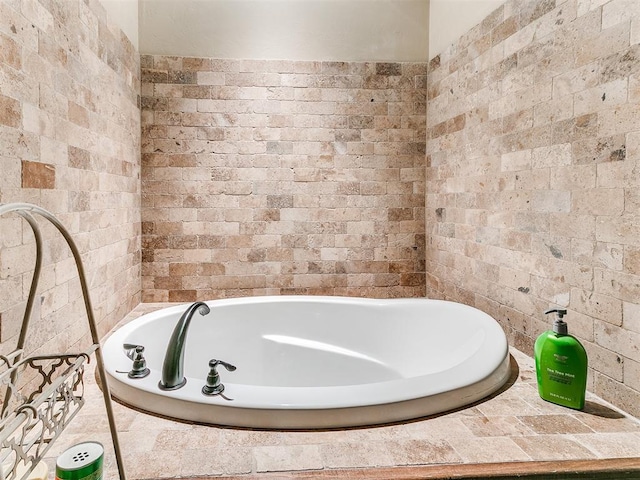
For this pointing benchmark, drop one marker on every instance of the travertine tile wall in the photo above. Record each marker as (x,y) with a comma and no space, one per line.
(69,142)
(281,177)
(533,178)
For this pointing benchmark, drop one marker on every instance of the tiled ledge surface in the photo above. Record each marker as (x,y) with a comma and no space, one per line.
(513,426)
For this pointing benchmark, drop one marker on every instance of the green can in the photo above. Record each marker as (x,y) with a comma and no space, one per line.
(81,462)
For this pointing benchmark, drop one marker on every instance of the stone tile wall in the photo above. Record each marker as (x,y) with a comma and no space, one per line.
(533,178)
(277,177)
(70,143)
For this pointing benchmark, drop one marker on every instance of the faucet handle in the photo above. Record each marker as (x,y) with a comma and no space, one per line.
(214,386)
(130,349)
(139,369)
(213,364)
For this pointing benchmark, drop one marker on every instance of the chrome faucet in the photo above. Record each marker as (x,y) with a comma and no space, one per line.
(173,365)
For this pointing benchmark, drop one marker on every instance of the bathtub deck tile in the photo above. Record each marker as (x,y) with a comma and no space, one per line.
(501,426)
(282,458)
(236,460)
(254,438)
(356,454)
(422,452)
(187,439)
(154,464)
(559,424)
(216,460)
(513,425)
(144,422)
(547,408)
(352,435)
(489,449)
(601,418)
(440,428)
(610,445)
(98,423)
(508,405)
(553,447)
(200,462)
(466,412)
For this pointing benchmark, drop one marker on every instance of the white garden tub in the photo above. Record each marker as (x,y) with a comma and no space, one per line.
(316,362)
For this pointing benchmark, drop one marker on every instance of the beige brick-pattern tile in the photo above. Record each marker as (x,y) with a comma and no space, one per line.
(69,142)
(38,175)
(301,177)
(532,172)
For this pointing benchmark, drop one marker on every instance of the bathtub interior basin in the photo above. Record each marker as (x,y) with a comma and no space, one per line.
(316,362)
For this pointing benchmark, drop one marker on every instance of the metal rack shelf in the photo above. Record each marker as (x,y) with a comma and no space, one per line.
(41,394)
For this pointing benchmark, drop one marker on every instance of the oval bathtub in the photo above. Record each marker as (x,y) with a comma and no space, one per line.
(316,362)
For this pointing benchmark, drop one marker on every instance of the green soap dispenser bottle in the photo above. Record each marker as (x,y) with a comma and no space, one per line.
(561,365)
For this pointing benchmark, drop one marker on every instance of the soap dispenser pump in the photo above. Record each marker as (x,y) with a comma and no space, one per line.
(561,365)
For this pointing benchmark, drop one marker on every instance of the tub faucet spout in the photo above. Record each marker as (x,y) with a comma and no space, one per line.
(173,365)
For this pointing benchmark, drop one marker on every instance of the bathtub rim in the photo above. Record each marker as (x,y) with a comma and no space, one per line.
(211,410)
(316,418)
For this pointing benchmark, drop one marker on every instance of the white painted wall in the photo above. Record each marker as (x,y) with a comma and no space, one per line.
(124,13)
(450,19)
(341,30)
(338,30)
